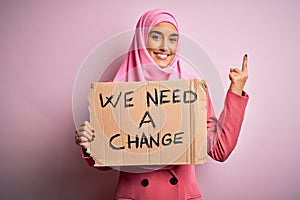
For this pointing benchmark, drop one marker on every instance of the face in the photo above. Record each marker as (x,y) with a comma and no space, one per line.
(162,43)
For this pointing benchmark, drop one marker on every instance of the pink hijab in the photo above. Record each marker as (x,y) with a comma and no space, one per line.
(138,64)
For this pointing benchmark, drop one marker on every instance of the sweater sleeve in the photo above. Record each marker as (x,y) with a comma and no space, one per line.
(223,132)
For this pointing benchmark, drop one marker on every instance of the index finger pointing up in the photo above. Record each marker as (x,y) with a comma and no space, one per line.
(244,65)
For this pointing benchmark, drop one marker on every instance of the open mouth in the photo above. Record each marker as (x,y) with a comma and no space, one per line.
(162,56)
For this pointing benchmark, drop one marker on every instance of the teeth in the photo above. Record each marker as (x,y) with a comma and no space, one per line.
(162,56)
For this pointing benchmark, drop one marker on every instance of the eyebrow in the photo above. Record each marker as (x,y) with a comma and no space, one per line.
(160,33)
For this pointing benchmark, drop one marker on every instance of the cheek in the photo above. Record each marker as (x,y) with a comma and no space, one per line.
(152,44)
(173,48)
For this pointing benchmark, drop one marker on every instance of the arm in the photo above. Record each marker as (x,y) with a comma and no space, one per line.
(223,133)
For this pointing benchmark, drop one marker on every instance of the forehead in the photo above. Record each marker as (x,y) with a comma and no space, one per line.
(165,26)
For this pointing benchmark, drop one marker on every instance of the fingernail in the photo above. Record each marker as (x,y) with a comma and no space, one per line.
(93,136)
(92,139)
(93,131)
(246,55)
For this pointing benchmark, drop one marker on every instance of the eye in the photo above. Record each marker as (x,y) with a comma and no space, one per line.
(173,40)
(155,37)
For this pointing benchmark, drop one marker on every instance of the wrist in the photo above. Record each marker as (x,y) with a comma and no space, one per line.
(236,90)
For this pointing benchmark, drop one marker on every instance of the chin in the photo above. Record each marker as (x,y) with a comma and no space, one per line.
(163,66)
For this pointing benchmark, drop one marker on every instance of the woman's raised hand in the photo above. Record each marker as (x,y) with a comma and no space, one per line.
(239,77)
(84,135)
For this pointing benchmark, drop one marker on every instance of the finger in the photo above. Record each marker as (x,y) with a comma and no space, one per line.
(86,129)
(232,76)
(85,145)
(87,124)
(245,65)
(79,140)
(86,135)
(76,140)
(84,139)
(236,70)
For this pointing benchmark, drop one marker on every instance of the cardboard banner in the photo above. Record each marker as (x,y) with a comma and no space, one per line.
(148,123)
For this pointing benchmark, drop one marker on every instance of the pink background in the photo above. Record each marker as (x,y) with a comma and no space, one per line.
(43,44)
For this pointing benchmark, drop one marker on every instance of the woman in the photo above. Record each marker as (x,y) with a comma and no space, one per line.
(154,56)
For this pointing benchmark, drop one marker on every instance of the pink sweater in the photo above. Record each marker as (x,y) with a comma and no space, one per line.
(179,182)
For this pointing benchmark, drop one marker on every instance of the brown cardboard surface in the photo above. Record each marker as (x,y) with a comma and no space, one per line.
(148,123)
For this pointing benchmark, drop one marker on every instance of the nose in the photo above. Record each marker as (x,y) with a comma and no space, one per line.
(163,45)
